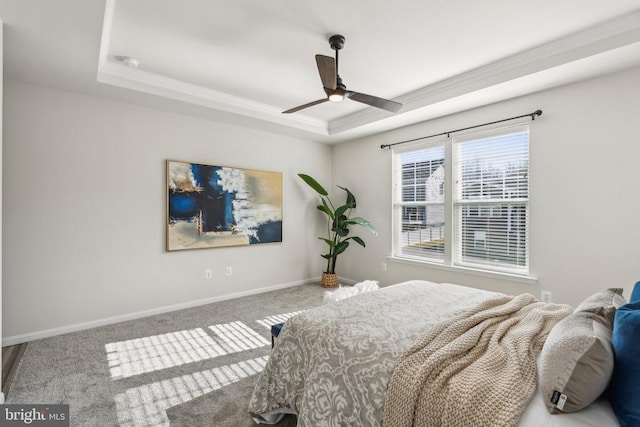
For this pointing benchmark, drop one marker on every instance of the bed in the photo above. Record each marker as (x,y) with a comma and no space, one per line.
(333,365)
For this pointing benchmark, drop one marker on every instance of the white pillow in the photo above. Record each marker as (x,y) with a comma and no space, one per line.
(348,291)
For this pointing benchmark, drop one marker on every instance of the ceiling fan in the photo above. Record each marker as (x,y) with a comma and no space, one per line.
(336,90)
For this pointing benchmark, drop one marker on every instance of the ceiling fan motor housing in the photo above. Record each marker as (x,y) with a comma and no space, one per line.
(336,42)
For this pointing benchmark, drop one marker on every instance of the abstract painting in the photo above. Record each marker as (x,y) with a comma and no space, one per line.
(216,206)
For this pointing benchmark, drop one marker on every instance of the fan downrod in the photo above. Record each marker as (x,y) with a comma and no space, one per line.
(336,42)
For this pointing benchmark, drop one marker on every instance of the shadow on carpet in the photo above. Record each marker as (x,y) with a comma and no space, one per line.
(225,407)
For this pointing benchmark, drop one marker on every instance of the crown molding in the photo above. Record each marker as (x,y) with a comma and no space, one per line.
(129,78)
(607,36)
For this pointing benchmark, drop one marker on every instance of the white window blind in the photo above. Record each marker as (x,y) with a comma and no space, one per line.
(490,200)
(483,221)
(418,201)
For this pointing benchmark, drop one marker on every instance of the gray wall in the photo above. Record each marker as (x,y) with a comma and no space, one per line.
(584,194)
(84,212)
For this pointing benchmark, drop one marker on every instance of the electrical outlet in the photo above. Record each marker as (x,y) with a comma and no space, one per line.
(208,273)
(229,271)
(384,266)
(545,296)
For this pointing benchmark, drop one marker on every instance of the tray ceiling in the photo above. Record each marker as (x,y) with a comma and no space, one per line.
(245,61)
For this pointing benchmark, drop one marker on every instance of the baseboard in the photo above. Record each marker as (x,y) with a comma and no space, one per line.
(18,339)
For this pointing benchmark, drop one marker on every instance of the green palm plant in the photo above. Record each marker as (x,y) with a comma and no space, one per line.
(338,222)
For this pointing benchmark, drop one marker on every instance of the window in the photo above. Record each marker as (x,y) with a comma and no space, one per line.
(420,203)
(482,222)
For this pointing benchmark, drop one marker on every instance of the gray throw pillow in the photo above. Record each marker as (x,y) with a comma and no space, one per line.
(603,303)
(576,362)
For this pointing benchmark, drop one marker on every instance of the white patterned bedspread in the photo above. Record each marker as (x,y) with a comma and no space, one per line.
(331,364)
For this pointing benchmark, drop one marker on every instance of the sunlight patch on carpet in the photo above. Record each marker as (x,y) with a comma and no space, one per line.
(146,405)
(236,336)
(148,354)
(269,321)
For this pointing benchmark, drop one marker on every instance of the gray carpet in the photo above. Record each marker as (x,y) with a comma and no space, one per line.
(193,367)
(220,408)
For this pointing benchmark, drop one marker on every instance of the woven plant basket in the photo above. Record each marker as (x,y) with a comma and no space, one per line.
(329,280)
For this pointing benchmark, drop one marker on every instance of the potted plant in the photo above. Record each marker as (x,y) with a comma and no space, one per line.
(338,222)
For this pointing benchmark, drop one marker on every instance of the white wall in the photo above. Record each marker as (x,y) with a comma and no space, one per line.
(584,176)
(84,211)
(84,203)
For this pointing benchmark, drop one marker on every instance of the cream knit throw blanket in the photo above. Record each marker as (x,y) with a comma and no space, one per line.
(477,369)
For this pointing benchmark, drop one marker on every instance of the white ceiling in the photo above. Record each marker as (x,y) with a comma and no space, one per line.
(245,61)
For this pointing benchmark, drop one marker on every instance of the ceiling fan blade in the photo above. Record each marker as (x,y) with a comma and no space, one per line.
(302,107)
(374,101)
(327,70)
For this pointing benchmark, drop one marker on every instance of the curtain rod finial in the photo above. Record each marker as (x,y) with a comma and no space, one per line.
(536,113)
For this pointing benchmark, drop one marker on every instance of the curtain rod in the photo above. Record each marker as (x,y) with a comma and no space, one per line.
(533,115)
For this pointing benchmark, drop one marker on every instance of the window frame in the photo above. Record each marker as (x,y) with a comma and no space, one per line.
(452,242)
(425,204)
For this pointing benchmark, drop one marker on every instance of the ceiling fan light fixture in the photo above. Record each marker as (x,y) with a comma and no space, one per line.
(336,96)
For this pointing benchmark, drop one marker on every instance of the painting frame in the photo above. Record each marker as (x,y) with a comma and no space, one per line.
(217,206)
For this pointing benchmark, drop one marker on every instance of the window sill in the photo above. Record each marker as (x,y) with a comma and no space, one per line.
(466,270)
